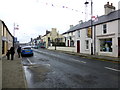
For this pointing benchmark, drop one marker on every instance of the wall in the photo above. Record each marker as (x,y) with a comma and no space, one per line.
(0,40)
(0,55)
(118,28)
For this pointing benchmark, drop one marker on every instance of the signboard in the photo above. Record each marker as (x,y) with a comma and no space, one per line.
(89,32)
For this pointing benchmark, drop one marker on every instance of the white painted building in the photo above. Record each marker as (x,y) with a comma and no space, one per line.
(104,39)
(70,37)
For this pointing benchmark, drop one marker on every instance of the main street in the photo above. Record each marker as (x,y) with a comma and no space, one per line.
(52,69)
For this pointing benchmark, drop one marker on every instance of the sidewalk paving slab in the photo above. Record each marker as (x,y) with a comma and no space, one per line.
(13,74)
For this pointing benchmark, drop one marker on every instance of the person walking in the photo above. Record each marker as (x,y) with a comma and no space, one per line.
(12,52)
(8,54)
(19,51)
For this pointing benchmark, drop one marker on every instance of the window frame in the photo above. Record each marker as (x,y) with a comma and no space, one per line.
(104,28)
(87,44)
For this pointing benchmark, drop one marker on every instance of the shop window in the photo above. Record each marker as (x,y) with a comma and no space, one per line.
(104,29)
(87,44)
(106,45)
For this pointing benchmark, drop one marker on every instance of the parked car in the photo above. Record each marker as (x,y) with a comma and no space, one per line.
(26,50)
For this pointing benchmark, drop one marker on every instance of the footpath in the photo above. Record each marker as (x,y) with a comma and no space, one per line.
(71,51)
(13,74)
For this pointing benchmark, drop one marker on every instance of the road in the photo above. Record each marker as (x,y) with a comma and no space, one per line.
(51,69)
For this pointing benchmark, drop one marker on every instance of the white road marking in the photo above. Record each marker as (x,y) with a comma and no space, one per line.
(29,61)
(112,69)
(79,61)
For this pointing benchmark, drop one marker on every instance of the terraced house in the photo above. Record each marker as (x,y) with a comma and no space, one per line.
(103,38)
(6,39)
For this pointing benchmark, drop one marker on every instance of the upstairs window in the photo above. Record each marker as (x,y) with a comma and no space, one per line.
(104,29)
(78,33)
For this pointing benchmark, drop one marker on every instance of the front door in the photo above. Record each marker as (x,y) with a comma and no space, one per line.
(119,47)
(68,43)
(78,46)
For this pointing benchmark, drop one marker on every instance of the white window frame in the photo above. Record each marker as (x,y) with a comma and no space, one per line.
(103,29)
(87,44)
(78,33)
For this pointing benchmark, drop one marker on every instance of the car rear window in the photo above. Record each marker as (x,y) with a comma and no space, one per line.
(26,48)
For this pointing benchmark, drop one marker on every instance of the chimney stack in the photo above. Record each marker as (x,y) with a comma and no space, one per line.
(109,8)
(71,26)
(119,5)
(81,21)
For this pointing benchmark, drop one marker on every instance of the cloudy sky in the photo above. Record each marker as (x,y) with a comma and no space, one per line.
(34,17)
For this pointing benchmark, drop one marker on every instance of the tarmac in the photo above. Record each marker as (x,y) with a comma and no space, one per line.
(13,74)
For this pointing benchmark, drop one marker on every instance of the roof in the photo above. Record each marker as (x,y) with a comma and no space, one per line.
(6,27)
(115,15)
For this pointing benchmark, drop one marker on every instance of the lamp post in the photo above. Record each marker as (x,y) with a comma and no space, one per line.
(91,25)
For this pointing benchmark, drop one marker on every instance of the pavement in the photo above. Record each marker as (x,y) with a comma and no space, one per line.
(95,57)
(13,74)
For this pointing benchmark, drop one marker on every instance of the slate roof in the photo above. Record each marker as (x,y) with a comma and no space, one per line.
(115,15)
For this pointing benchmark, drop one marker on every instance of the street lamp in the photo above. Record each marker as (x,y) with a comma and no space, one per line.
(91,24)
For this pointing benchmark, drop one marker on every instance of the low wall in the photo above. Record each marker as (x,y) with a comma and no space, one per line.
(71,49)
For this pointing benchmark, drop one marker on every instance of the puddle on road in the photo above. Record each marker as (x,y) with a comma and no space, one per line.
(36,73)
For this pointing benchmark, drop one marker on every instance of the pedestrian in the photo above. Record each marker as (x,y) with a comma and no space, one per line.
(12,52)
(8,54)
(19,51)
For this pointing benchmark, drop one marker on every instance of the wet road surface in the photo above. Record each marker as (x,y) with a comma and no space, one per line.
(51,69)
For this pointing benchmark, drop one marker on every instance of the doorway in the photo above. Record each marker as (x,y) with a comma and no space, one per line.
(118,46)
(78,46)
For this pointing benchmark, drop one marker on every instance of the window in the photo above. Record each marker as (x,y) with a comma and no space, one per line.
(71,33)
(78,33)
(106,45)
(87,44)
(104,29)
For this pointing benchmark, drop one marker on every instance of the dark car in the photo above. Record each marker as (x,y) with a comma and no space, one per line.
(27,50)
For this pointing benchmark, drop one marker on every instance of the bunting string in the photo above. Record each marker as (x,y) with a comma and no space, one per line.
(62,6)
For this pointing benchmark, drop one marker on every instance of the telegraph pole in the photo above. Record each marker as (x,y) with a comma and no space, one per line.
(91,25)
(91,28)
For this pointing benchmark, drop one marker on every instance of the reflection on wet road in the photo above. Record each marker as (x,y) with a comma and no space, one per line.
(49,69)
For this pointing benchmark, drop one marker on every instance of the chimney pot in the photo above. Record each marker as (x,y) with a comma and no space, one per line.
(111,4)
(107,3)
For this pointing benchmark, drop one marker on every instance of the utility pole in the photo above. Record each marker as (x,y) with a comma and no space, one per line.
(91,25)
(91,28)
